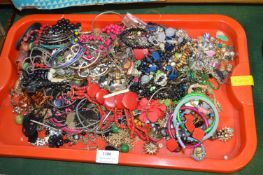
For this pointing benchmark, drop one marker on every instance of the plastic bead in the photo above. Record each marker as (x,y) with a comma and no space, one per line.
(190,126)
(171,145)
(169,68)
(100,95)
(139,54)
(156,56)
(92,90)
(130,100)
(173,75)
(109,102)
(114,129)
(124,148)
(198,134)
(19,119)
(170,32)
(118,101)
(153,68)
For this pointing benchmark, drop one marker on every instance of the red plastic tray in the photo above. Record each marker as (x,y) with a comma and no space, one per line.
(237,102)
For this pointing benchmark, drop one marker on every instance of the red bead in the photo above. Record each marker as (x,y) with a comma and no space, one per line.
(190,126)
(109,103)
(130,100)
(189,117)
(92,89)
(139,54)
(118,101)
(171,145)
(198,134)
(100,96)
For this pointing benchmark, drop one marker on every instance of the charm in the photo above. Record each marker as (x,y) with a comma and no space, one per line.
(225,134)
(160,79)
(150,148)
(199,153)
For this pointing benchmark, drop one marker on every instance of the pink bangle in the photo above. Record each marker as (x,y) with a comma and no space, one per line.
(64,128)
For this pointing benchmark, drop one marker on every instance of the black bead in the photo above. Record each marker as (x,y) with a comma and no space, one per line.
(109,147)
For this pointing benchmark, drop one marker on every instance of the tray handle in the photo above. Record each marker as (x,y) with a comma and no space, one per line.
(6,76)
(243,94)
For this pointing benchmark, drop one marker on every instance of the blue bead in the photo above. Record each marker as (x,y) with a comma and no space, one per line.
(169,47)
(151,28)
(169,68)
(153,68)
(156,56)
(58,103)
(173,75)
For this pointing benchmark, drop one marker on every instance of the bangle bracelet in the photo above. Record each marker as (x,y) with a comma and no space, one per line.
(87,64)
(64,127)
(168,125)
(70,61)
(197,96)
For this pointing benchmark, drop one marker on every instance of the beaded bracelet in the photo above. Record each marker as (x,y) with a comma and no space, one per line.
(103,13)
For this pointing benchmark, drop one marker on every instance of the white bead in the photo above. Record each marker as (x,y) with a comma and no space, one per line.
(173,64)
(145,79)
(162,46)
(170,32)
(161,37)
